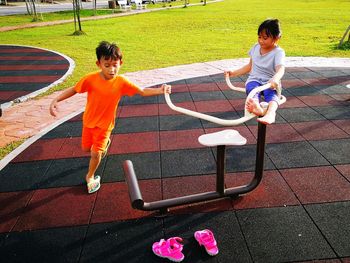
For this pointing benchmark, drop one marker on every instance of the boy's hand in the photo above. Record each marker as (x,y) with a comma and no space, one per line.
(227,73)
(53,108)
(166,88)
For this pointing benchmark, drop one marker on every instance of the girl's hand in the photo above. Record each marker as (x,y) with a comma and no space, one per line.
(274,83)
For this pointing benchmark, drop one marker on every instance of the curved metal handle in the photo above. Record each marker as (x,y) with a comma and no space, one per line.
(247,115)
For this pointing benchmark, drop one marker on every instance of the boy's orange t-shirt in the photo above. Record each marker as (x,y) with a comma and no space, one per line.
(103,97)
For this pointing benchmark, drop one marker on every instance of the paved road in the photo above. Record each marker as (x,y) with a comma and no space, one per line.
(47,8)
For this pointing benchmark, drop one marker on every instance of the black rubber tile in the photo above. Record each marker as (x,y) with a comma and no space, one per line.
(146,166)
(294,154)
(178,82)
(2,239)
(231,94)
(66,129)
(207,96)
(334,89)
(187,162)
(52,245)
(66,172)
(333,220)
(282,234)
(23,176)
(335,151)
(204,79)
(303,91)
(306,75)
(177,97)
(300,114)
(32,72)
(34,62)
(229,115)
(242,158)
(137,99)
(226,230)
(129,241)
(334,112)
(22,86)
(136,124)
(178,122)
(332,73)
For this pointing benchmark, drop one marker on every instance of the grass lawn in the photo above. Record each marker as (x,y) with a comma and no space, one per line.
(196,34)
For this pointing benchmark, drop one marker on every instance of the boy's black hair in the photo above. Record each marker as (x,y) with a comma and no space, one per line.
(108,51)
(271,28)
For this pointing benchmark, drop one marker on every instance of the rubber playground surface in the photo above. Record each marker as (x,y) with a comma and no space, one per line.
(299,213)
(28,71)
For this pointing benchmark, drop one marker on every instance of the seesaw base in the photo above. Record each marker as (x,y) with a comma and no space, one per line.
(137,201)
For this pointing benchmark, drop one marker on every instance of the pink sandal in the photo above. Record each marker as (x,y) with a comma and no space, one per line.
(206,238)
(170,249)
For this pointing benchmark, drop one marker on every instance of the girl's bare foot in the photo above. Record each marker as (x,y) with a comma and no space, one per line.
(253,106)
(268,118)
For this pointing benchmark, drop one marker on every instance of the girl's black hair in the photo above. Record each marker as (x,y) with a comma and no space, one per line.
(108,51)
(271,28)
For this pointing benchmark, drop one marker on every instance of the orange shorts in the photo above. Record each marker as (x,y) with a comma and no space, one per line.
(95,139)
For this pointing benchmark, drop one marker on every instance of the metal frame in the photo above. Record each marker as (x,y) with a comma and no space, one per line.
(137,201)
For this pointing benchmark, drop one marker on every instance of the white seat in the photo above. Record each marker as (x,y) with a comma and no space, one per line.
(139,4)
(123,5)
(225,137)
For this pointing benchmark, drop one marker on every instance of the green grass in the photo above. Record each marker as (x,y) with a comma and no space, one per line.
(18,20)
(196,34)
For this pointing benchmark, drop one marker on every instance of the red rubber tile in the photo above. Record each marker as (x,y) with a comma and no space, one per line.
(279,132)
(22,50)
(12,206)
(223,86)
(180,139)
(28,79)
(71,148)
(344,170)
(139,110)
(293,102)
(343,124)
(31,67)
(213,106)
(134,143)
(11,95)
(243,130)
(319,130)
(165,110)
(319,100)
(238,104)
(203,87)
(341,98)
(317,184)
(179,88)
(292,83)
(22,58)
(69,206)
(271,192)
(113,202)
(41,150)
(183,186)
(318,82)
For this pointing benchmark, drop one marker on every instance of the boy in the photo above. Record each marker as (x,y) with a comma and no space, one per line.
(266,64)
(105,89)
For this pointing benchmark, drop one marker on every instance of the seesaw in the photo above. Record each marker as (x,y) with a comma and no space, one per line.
(220,140)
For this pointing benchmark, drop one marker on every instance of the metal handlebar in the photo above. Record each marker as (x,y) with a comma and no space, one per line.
(247,115)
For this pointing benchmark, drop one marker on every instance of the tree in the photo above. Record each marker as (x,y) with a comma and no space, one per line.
(76,11)
(31,9)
